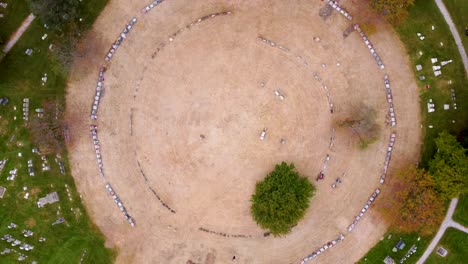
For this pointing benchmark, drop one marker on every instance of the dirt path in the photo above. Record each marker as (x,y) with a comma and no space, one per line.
(453,29)
(182,117)
(18,33)
(448,222)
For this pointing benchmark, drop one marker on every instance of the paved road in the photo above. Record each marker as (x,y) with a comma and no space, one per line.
(18,33)
(448,222)
(454,31)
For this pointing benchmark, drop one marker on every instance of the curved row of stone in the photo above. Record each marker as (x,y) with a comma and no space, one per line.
(388,157)
(147,8)
(370,46)
(306,64)
(94,111)
(118,202)
(201,19)
(332,139)
(325,88)
(334,5)
(222,233)
(339,9)
(273,44)
(97,96)
(121,38)
(321,174)
(120,205)
(388,91)
(392,137)
(163,44)
(325,165)
(153,191)
(364,209)
(330,103)
(322,249)
(97,148)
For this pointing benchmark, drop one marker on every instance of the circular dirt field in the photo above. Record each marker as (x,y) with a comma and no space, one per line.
(180,121)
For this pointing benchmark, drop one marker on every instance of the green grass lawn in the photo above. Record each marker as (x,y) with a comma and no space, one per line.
(384,248)
(14,14)
(461,212)
(20,77)
(456,243)
(422,16)
(458,10)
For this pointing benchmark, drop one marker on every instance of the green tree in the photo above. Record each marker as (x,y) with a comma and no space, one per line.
(56,13)
(449,166)
(463,138)
(281,199)
(394,11)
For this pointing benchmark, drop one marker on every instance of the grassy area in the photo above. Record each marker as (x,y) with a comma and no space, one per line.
(456,243)
(20,77)
(422,16)
(384,248)
(458,10)
(461,212)
(13,15)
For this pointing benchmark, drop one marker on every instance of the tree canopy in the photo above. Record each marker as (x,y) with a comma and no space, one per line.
(449,166)
(394,11)
(361,123)
(281,199)
(55,13)
(411,203)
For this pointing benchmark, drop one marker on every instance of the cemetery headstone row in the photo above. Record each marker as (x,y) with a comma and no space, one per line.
(339,9)
(370,46)
(121,38)
(388,91)
(97,97)
(323,248)
(364,209)
(147,8)
(388,157)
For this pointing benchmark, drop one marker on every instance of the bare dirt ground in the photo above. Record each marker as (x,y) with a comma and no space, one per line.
(189,118)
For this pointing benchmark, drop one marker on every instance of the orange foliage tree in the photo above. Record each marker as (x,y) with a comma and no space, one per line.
(411,204)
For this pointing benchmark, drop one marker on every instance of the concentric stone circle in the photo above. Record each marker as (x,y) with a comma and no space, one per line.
(183,107)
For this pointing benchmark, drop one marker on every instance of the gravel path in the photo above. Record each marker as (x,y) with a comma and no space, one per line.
(18,33)
(448,222)
(454,31)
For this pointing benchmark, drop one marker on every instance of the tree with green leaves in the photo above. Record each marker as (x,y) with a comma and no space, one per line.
(56,13)
(281,199)
(449,166)
(394,11)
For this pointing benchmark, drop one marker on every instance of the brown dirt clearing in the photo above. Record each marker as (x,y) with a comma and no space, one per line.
(208,81)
